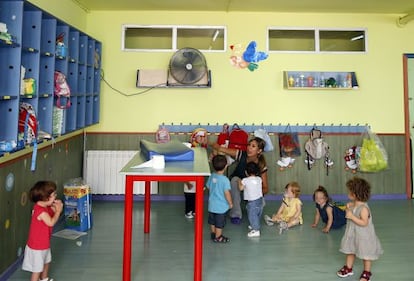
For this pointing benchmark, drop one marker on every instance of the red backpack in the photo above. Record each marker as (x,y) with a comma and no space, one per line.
(27,123)
(238,138)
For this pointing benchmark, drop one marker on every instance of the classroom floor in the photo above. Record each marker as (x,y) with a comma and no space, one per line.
(301,253)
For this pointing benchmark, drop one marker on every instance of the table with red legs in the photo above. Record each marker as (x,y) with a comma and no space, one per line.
(173,172)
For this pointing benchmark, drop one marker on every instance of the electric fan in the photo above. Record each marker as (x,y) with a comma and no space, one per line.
(188,66)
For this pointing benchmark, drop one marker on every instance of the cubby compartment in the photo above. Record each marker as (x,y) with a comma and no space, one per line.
(96,109)
(81,112)
(71,115)
(9,111)
(88,110)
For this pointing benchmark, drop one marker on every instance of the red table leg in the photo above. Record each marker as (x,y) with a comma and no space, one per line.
(147,206)
(198,236)
(129,184)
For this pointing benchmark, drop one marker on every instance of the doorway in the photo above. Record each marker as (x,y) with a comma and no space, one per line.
(408,64)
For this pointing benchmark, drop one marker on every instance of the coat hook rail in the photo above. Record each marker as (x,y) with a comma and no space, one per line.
(270,128)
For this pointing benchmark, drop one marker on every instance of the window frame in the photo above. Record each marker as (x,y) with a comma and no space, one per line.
(174,36)
(317,39)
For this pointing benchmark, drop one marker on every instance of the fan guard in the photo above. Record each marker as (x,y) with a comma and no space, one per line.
(188,66)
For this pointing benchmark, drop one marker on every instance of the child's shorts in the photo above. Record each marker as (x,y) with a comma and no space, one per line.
(218,220)
(35,260)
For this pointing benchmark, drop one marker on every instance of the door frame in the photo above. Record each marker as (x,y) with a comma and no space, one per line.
(408,160)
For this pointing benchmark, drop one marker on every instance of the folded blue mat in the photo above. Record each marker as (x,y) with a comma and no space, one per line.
(172,151)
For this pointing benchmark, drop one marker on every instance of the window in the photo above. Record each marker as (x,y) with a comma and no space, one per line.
(292,40)
(342,40)
(316,40)
(172,38)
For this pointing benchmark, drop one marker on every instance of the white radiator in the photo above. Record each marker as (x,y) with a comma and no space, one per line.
(101,171)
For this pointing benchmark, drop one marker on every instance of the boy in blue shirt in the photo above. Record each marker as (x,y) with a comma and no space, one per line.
(219,200)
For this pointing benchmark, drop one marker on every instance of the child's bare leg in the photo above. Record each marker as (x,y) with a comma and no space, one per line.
(45,272)
(293,223)
(367,265)
(35,276)
(276,218)
(350,258)
(212,228)
(219,232)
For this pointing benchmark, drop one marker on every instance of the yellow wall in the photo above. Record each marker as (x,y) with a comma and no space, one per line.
(255,97)
(65,10)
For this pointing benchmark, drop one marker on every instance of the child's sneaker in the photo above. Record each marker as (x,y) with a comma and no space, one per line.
(345,272)
(366,275)
(268,220)
(189,215)
(253,233)
(283,226)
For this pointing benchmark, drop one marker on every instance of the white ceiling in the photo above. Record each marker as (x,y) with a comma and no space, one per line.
(298,6)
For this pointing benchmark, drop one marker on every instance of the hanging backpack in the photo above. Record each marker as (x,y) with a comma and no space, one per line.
(27,123)
(28,128)
(162,135)
(238,138)
(61,91)
(316,148)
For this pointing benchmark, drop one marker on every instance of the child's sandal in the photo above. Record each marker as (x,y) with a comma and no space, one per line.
(221,239)
(365,276)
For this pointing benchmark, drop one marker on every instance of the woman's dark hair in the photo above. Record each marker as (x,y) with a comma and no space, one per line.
(42,190)
(261,145)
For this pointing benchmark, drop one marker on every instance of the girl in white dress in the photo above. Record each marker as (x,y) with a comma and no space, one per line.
(359,239)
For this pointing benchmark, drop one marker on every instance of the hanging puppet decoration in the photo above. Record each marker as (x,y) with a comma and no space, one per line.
(246,58)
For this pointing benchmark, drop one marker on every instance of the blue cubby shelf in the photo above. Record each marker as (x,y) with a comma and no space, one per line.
(43,44)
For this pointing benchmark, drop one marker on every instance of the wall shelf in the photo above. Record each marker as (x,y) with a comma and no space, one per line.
(320,80)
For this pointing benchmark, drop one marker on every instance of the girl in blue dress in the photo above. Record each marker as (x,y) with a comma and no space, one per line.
(331,215)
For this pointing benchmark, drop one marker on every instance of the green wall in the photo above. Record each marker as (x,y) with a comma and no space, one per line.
(389,182)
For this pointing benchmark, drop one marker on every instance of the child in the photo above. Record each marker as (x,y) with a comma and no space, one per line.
(189,196)
(219,200)
(45,214)
(198,139)
(290,211)
(331,215)
(252,186)
(359,239)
